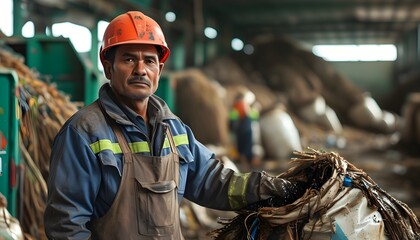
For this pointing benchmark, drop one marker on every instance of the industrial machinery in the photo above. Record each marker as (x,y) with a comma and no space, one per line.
(58,62)
(9,145)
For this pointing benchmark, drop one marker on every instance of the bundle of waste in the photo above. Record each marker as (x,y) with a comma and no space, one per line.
(341,202)
(9,226)
(43,109)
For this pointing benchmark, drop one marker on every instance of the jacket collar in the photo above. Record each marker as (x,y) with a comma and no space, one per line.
(115,109)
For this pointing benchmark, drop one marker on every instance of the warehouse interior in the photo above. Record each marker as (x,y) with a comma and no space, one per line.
(360,99)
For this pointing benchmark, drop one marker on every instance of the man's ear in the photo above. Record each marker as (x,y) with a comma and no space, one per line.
(161,67)
(107,69)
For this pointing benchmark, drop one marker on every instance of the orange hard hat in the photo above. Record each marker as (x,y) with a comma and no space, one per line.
(134,28)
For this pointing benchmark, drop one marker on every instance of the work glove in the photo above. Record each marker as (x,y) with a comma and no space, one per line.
(280,188)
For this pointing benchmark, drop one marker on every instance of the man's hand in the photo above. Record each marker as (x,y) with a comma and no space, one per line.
(279,187)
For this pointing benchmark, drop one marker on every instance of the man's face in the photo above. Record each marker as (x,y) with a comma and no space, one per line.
(134,75)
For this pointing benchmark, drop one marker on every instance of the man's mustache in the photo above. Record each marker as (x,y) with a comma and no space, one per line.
(139,79)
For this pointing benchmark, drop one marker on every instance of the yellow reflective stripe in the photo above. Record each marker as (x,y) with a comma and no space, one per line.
(166,143)
(137,147)
(105,144)
(181,139)
(237,187)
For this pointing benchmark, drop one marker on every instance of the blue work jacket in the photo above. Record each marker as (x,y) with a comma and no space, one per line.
(86,165)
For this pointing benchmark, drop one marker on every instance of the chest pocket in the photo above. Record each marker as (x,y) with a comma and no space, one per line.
(157,208)
(157,198)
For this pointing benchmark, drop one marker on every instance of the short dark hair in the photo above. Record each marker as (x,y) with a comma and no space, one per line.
(109,54)
(159,51)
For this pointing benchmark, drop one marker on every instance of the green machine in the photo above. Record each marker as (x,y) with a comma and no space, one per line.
(166,92)
(58,62)
(9,144)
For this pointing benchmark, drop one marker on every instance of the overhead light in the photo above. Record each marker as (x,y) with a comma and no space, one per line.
(237,44)
(170,16)
(210,32)
(391,13)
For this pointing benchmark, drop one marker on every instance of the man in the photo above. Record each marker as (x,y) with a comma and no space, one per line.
(120,166)
(243,123)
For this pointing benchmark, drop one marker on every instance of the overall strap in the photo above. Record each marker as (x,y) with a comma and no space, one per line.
(118,133)
(121,139)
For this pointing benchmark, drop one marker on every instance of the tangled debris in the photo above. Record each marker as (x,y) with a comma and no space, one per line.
(43,110)
(330,178)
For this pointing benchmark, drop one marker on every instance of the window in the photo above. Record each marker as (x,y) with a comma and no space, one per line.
(28,30)
(6,13)
(79,36)
(368,52)
(102,25)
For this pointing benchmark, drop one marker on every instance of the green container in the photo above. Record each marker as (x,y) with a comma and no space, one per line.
(9,144)
(166,92)
(58,62)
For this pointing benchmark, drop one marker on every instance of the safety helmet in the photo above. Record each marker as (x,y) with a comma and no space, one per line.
(134,27)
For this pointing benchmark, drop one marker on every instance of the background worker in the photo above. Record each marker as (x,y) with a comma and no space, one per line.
(120,166)
(244,125)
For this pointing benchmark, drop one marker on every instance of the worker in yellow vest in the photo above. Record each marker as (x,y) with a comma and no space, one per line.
(243,122)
